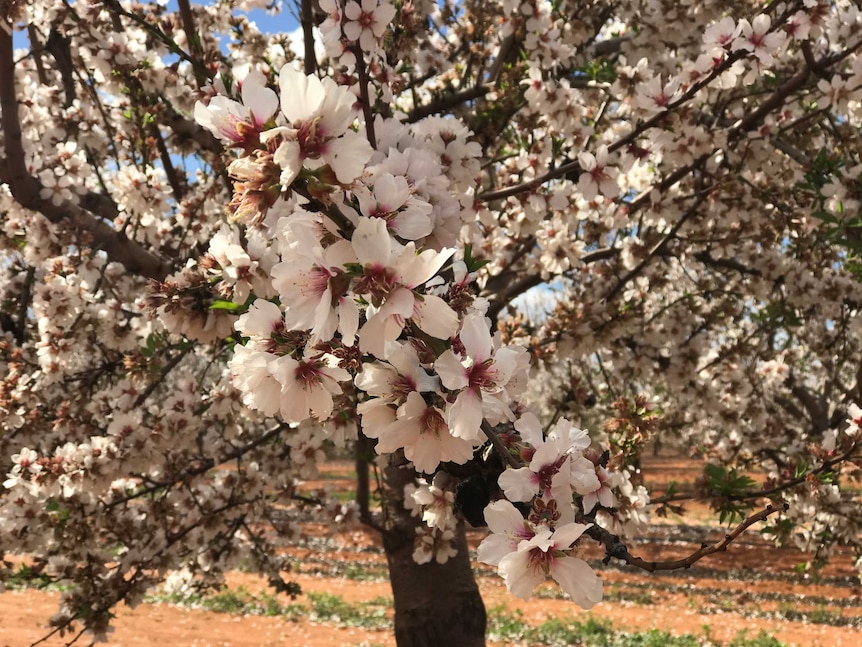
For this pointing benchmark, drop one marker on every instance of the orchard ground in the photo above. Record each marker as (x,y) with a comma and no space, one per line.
(745,594)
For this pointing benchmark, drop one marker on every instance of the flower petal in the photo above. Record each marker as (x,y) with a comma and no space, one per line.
(578,580)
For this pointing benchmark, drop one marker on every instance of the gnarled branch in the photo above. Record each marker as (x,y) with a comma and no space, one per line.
(26,189)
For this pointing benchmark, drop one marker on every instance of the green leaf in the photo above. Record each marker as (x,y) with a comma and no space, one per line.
(221,304)
(473,264)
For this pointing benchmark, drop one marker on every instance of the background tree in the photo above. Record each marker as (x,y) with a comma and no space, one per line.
(221,259)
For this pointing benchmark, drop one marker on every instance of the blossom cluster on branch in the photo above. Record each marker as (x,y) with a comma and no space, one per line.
(449,240)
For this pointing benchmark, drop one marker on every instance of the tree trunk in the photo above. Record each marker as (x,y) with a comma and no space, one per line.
(435,604)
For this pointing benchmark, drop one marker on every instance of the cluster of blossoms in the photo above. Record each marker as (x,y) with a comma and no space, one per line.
(667,175)
(559,484)
(356,301)
(354,24)
(435,504)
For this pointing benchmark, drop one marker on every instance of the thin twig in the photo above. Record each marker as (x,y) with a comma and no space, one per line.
(447,102)
(363,96)
(24,305)
(770,491)
(307,20)
(747,123)
(172,363)
(617,550)
(499,446)
(203,467)
(657,249)
(345,226)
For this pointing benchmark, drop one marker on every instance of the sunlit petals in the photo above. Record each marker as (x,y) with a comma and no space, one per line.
(301,95)
(261,101)
(385,325)
(577,579)
(421,430)
(519,484)
(307,387)
(465,416)
(347,156)
(250,372)
(372,242)
(240,123)
(319,114)
(434,316)
(261,319)
(544,555)
(452,372)
(476,338)
(367,22)
(288,156)
(597,176)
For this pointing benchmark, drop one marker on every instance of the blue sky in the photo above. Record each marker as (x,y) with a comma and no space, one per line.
(271,24)
(268,23)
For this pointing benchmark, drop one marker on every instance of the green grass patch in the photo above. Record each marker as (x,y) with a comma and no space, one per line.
(510,627)
(26,578)
(762,639)
(333,609)
(321,607)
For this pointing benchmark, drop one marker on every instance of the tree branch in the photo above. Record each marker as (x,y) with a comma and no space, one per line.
(617,550)
(655,251)
(307,21)
(447,102)
(177,183)
(365,100)
(747,123)
(26,189)
(767,492)
(504,452)
(202,467)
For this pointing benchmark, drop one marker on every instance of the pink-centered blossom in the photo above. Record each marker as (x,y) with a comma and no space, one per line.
(259,322)
(719,36)
(655,96)
(597,177)
(316,289)
(547,475)
(391,199)
(240,123)
(25,462)
(556,466)
(546,555)
(601,495)
(319,114)
(436,503)
(508,529)
(391,273)
(389,384)
(481,377)
(366,21)
(394,379)
(755,37)
(307,387)
(421,430)
(525,555)
(251,374)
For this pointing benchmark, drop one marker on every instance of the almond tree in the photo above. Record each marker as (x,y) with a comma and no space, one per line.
(222,260)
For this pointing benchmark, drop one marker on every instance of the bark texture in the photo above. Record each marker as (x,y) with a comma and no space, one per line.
(435,604)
